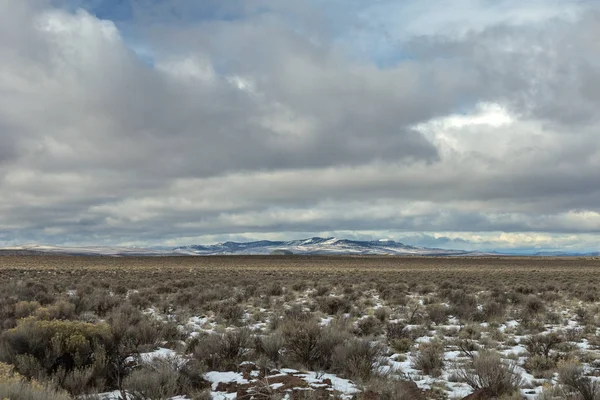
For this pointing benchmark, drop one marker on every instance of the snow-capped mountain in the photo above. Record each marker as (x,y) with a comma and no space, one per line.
(315,245)
(312,246)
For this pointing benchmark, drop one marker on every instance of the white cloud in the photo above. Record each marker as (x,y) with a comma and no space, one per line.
(220,138)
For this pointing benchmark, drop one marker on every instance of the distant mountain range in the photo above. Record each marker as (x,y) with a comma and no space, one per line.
(317,245)
(312,246)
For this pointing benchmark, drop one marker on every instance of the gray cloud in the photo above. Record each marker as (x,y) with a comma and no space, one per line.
(261,120)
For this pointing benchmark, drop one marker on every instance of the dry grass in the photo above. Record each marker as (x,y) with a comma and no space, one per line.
(364,299)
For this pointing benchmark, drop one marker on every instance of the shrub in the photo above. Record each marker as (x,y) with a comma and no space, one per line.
(430,358)
(470,331)
(542,344)
(534,306)
(462,305)
(358,359)
(487,371)
(222,352)
(333,305)
(571,375)
(467,346)
(275,289)
(14,387)
(436,313)
(271,346)
(537,365)
(296,312)
(22,390)
(158,380)
(26,308)
(310,344)
(401,345)
(231,312)
(50,345)
(368,326)
(60,310)
(414,312)
(299,286)
(131,332)
(382,314)
(493,310)
(396,330)
(99,301)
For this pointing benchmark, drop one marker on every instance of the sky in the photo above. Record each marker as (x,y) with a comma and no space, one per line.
(461,124)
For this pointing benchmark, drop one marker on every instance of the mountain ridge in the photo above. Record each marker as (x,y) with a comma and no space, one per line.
(316,246)
(309,246)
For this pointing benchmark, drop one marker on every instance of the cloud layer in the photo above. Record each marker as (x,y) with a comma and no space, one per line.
(167,122)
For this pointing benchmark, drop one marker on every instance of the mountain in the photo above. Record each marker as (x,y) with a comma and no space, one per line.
(316,245)
(312,246)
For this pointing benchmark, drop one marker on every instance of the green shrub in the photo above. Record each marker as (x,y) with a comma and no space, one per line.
(23,390)
(52,344)
(60,310)
(26,308)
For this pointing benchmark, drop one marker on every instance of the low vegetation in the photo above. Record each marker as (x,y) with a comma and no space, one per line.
(311,327)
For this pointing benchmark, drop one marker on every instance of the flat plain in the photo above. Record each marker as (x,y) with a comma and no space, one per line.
(362,327)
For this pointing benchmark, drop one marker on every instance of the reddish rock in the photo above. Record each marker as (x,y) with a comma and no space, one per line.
(288,381)
(229,387)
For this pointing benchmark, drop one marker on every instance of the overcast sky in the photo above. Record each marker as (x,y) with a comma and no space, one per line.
(462,123)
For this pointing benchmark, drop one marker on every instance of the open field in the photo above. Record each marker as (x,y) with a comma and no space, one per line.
(270,327)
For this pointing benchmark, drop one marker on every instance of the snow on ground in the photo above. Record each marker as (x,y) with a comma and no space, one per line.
(344,386)
(511,346)
(160,353)
(215,378)
(114,395)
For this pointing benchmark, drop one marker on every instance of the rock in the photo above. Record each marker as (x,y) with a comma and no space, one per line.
(229,387)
